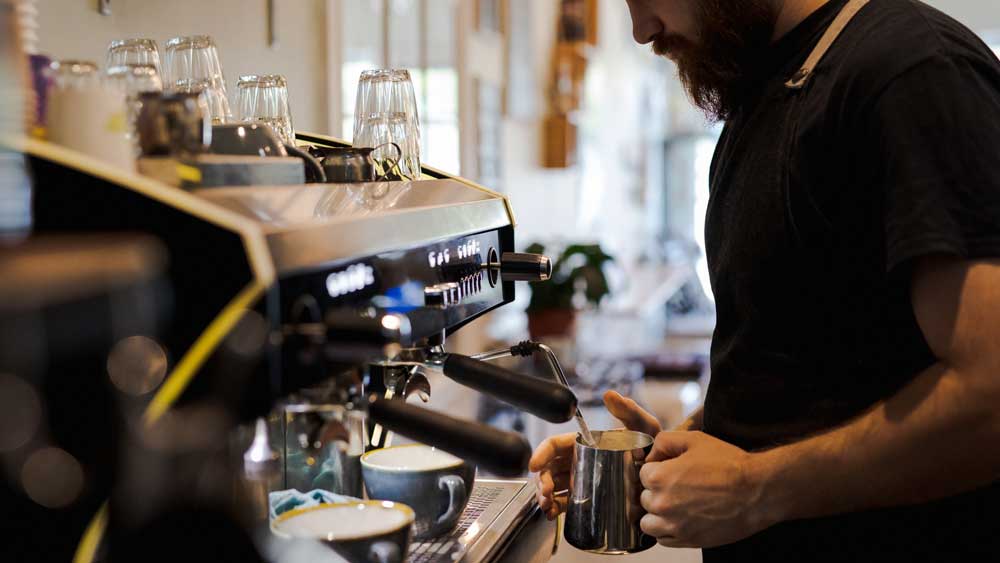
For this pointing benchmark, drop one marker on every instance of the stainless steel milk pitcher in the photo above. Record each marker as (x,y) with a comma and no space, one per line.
(604,511)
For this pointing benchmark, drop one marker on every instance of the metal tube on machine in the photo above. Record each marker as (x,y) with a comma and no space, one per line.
(526,348)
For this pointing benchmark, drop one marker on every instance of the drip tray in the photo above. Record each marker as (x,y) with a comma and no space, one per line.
(496,510)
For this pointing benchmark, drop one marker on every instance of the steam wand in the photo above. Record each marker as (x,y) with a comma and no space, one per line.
(528,348)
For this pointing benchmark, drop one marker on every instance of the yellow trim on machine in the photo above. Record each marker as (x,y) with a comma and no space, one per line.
(170,391)
(262,270)
(87,548)
(195,357)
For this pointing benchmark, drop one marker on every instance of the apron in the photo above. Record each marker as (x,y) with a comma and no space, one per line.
(784,128)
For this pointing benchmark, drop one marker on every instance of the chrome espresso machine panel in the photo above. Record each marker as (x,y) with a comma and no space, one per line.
(429,250)
(439,286)
(421,249)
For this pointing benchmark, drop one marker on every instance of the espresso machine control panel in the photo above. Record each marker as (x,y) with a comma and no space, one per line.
(438,286)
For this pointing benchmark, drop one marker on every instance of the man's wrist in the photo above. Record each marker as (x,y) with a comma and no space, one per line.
(773,494)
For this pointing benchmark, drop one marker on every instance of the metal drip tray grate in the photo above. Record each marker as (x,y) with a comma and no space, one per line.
(494,510)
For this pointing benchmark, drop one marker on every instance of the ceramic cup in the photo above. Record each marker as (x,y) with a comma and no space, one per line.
(258,139)
(91,119)
(369,531)
(434,483)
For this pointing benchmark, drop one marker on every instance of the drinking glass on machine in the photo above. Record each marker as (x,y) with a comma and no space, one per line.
(386,112)
(133,52)
(133,80)
(263,98)
(215,100)
(67,74)
(191,64)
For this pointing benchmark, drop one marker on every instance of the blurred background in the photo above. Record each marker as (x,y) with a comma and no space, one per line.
(549,102)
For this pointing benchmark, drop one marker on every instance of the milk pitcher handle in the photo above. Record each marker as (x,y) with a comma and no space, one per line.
(395,162)
(456,496)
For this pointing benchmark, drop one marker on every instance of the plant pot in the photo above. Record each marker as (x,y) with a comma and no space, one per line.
(551,322)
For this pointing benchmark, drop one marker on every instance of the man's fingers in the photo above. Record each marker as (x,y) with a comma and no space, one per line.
(646,500)
(651,475)
(557,507)
(561,464)
(549,484)
(550,449)
(657,527)
(669,445)
(546,485)
(631,414)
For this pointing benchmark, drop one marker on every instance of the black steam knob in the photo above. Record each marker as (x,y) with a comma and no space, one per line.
(517,266)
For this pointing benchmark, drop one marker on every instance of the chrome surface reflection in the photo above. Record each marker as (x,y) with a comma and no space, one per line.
(604,512)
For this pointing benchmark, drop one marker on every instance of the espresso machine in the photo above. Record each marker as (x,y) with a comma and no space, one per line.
(333,294)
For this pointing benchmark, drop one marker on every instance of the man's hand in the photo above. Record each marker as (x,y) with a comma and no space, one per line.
(700,492)
(554,456)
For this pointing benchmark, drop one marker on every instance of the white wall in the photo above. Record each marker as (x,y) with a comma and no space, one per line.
(74,29)
(978,15)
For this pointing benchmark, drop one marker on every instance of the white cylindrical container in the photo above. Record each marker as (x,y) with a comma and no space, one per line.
(92,119)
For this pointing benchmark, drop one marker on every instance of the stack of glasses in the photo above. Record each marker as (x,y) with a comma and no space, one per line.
(386,112)
(124,52)
(191,64)
(263,99)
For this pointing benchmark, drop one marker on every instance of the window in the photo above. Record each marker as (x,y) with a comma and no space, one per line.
(418,35)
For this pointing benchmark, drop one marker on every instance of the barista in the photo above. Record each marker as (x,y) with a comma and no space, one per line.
(853,241)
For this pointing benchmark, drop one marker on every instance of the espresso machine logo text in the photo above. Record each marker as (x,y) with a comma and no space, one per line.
(463,251)
(353,279)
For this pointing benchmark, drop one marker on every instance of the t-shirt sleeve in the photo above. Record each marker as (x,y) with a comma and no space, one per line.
(937,137)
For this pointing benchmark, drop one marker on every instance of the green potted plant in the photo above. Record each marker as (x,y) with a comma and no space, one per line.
(577,280)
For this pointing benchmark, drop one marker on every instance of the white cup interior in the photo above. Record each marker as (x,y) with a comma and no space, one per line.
(344,521)
(410,458)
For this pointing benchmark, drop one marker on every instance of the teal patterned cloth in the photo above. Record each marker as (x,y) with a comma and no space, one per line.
(283,501)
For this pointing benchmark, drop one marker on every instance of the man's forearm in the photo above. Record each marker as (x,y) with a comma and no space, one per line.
(936,437)
(693,422)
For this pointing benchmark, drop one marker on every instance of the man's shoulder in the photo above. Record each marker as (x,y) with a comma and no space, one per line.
(890,37)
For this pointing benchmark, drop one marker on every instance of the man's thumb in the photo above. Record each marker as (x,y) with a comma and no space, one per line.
(631,414)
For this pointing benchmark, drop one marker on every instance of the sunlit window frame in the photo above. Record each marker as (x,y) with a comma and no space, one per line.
(340,119)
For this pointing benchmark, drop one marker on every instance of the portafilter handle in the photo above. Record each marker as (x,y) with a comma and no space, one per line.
(503,453)
(545,399)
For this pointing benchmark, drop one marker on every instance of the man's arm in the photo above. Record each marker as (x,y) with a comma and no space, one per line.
(692,423)
(936,437)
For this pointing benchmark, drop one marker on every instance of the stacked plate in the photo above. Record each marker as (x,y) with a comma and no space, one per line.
(15,184)
(27,20)
(15,195)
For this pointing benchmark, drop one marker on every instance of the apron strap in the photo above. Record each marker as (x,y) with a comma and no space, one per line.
(798,81)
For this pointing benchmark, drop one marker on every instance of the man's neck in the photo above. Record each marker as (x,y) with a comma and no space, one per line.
(792,12)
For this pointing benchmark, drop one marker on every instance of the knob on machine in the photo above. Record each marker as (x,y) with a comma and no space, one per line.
(518,266)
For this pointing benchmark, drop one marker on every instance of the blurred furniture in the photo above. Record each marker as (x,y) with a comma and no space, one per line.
(576,30)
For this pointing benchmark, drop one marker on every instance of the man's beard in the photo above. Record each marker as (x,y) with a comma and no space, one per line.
(719,70)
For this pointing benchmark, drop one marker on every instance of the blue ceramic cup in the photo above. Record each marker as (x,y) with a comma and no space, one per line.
(434,483)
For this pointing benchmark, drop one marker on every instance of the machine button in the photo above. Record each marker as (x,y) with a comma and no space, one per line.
(442,295)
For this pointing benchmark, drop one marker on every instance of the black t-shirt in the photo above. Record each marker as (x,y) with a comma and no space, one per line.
(821,199)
